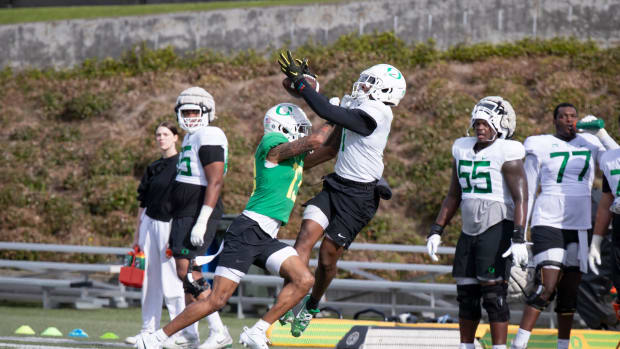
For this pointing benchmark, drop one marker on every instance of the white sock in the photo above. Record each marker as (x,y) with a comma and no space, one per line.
(499,346)
(160,335)
(215,322)
(261,325)
(563,343)
(467,346)
(521,339)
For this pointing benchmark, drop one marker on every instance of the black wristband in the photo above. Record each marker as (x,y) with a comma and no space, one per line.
(518,234)
(435,229)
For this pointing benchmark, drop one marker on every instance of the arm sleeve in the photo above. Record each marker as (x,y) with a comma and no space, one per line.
(210,153)
(355,120)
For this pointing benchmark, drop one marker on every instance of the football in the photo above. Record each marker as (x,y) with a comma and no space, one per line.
(287,83)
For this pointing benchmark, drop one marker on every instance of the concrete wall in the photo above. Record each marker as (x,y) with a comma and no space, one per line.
(448,22)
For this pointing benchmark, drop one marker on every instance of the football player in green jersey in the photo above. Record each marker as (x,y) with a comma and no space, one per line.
(284,151)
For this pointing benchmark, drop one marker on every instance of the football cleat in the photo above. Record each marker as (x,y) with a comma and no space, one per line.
(303,318)
(182,342)
(254,339)
(217,340)
(287,318)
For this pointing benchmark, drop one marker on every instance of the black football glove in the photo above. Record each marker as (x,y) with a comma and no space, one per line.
(291,67)
(305,68)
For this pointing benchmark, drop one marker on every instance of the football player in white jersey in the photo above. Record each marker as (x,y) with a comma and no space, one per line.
(349,198)
(489,184)
(195,200)
(563,166)
(608,210)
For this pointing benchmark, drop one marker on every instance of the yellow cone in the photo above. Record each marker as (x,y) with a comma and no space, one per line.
(25,330)
(52,332)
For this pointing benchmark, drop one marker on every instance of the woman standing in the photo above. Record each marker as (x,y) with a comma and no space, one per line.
(152,234)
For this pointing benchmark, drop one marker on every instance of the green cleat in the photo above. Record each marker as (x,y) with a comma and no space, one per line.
(302,320)
(287,318)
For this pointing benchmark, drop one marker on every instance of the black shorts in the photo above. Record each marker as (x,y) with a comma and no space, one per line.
(245,243)
(348,205)
(480,257)
(181,229)
(545,238)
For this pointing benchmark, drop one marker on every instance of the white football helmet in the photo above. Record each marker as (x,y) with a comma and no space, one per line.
(195,98)
(498,113)
(287,119)
(382,82)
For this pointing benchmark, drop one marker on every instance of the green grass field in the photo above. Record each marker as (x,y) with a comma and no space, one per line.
(123,322)
(44,14)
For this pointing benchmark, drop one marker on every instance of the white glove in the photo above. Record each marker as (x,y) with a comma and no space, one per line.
(346,101)
(615,206)
(334,101)
(601,133)
(518,252)
(153,340)
(200,227)
(432,245)
(594,257)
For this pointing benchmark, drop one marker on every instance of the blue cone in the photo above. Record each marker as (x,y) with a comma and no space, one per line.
(78,332)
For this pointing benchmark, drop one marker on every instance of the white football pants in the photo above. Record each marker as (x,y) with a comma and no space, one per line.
(161,282)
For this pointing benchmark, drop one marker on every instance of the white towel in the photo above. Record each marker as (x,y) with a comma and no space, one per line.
(583,251)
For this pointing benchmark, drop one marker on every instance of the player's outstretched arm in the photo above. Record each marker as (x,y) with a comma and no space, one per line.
(326,151)
(290,149)
(355,120)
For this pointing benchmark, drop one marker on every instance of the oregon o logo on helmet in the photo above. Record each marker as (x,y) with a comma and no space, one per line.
(391,71)
(289,110)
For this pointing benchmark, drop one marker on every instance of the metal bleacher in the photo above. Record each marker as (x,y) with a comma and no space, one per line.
(58,282)
(86,285)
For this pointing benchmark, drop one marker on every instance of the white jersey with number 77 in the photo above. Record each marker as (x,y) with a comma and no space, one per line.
(565,172)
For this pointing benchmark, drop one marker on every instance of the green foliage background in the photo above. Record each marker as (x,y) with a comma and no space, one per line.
(75,142)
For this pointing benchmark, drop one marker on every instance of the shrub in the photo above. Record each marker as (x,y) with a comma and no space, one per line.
(59,213)
(105,194)
(112,158)
(86,106)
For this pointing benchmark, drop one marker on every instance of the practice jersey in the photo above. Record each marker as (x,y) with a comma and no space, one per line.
(189,169)
(275,187)
(565,172)
(360,158)
(480,174)
(610,165)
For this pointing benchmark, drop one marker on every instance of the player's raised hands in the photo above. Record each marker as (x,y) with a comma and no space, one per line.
(291,67)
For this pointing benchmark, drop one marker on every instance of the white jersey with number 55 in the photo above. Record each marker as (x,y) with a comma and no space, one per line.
(565,172)
(189,168)
(480,174)
(610,165)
